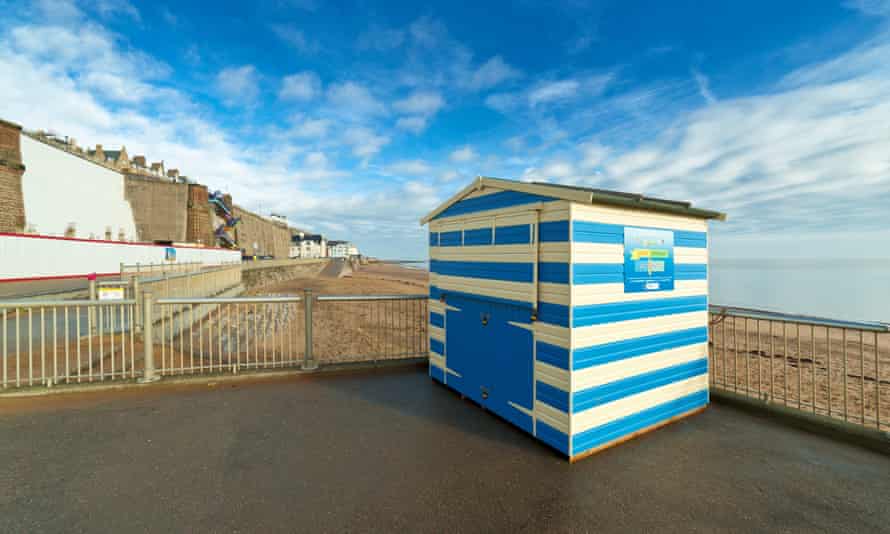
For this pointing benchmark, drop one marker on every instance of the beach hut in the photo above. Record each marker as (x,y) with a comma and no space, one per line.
(579,315)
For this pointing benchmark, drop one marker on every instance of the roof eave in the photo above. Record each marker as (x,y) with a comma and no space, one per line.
(586,197)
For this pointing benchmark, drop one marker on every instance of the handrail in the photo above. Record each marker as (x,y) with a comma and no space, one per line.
(215,269)
(347,298)
(228,300)
(752,313)
(4,304)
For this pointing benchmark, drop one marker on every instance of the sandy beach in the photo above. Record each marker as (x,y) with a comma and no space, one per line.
(370,279)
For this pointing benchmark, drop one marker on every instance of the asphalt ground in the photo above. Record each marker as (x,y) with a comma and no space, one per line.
(391,451)
(17,290)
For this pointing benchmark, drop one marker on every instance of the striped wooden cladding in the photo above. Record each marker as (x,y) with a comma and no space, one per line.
(607,364)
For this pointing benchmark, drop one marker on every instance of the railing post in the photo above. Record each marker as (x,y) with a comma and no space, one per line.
(91,313)
(309,362)
(138,309)
(148,374)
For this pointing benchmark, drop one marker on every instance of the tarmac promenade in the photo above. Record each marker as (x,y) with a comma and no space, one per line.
(390,451)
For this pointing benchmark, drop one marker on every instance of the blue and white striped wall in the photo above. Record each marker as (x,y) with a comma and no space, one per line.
(606,364)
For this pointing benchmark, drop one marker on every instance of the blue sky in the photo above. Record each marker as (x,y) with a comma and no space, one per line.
(356,118)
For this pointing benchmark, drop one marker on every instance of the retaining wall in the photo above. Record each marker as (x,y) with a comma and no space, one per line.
(12,204)
(158,208)
(258,274)
(261,237)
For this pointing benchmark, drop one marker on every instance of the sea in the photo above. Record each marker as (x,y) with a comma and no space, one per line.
(845,289)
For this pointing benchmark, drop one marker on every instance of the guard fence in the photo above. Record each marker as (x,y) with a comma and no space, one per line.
(155,269)
(837,369)
(81,341)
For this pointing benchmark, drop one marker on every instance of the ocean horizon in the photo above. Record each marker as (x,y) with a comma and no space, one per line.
(847,289)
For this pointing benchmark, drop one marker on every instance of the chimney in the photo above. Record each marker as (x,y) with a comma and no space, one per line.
(139,161)
(72,143)
(173,173)
(100,154)
(158,168)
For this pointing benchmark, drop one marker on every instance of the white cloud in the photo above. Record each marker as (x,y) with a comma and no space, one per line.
(58,10)
(463,154)
(364,141)
(169,17)
(420,107)
(113,8)
(353,98)
(311,128)
(300,86)
(420,103)
(414,124)
(704,86)
(491,73)
(449,176)
(773,160)
(295,38)
(593,154)
(414,167)
(503,102)
(554,170)
(428,32)
(238,85)
(553,91)
(879,8)
(515,143)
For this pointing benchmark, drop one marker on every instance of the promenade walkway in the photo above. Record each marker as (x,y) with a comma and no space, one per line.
(389,451)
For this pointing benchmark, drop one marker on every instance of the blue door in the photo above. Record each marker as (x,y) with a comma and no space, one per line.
(464,346)
(512,365)
(491,359)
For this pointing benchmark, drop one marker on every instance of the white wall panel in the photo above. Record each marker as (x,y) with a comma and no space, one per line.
(639,218)
(39,257)
(61,188)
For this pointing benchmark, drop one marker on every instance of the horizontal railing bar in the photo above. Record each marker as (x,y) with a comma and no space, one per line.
(214,269)
(62,303)
(751,313)
(229,300)
(352,298)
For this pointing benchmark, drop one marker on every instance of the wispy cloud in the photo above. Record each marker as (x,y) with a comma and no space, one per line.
(870,7)
(415,167)
(238,85)
(463,154)
(364,141)
(113,8)
(419,107)
(704,86)
(300,86)
(353,98)
(295,38)
(493,72)
(553,91)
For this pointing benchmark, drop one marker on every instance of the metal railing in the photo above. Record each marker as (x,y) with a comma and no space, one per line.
(52,342)
(826,367)
(153,269)
(204,283)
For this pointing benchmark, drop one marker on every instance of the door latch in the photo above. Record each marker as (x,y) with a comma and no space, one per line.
(484,317)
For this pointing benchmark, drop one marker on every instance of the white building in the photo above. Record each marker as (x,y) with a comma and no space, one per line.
(308,246)
(341,249)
